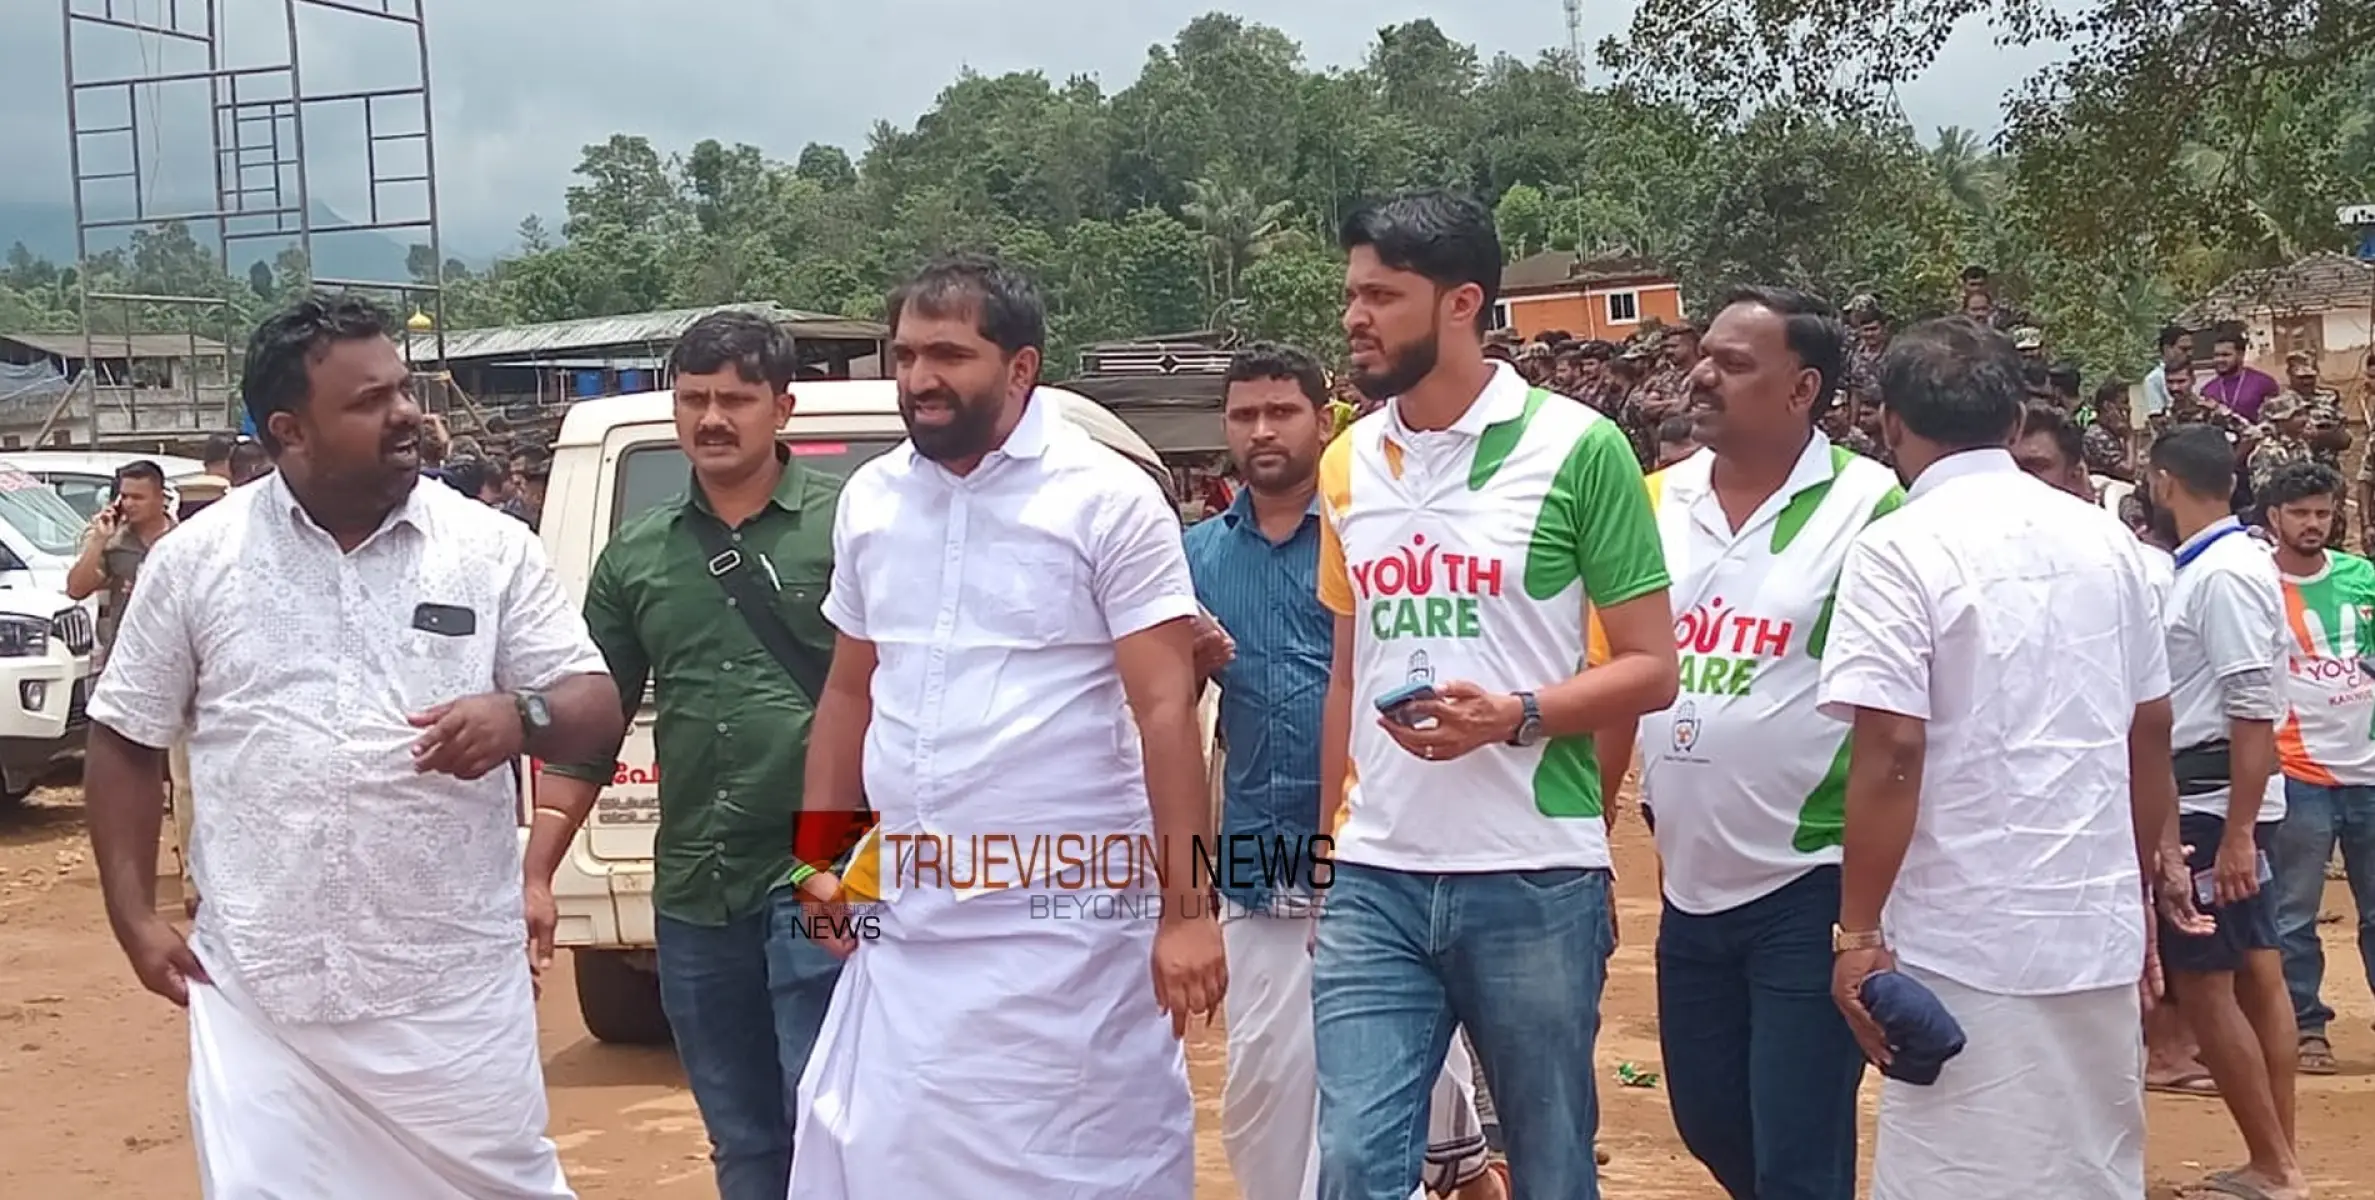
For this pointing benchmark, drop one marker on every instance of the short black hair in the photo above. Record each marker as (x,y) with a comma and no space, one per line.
(2299,481)
(2171,334)
(1445,236)
(1955,382)
(2054,423)
(284,347)
(1674,429)
(1004,302)
(246,453)
(470,476)
(1599,350)
(139,468)
(2065,377)
(1273,360)
(2199,458)
(2230,337)
(1974,273)
(1809,326)
(758,349)
(218,447)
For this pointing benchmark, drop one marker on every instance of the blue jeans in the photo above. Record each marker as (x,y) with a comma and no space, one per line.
(1519,959)
(1761,1069)
(745,1001)
(2315,819)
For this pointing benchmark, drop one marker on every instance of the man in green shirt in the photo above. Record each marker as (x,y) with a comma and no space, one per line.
(743,987)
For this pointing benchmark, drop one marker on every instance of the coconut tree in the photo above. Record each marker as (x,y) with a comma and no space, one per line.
(1237,229)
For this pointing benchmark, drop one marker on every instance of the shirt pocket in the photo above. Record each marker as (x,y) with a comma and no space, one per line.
(1022,596)
(434,668)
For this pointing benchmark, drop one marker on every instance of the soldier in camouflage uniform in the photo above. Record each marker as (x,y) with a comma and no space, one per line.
(2109,436)
(2328,435)
(2284,438)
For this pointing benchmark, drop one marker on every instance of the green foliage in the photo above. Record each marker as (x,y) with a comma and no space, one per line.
(1750,140)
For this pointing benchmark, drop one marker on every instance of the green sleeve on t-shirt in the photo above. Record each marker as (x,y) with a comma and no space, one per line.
(1596,525)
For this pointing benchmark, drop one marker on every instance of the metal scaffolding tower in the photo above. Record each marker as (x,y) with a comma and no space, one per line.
(267,132)
(1575,37)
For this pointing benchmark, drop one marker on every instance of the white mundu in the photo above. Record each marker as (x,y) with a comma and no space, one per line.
(1749,778)
(976,1049)
(2021,625)
(371,1019)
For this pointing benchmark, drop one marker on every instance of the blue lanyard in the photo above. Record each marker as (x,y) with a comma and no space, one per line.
(2194,551)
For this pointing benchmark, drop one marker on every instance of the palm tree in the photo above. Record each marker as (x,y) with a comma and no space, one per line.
(1237,229)
(1968,172)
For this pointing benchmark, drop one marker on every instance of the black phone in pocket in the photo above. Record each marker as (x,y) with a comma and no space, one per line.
(447,620)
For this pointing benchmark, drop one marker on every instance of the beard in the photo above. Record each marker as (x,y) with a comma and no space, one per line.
(970,433)
(1404,367)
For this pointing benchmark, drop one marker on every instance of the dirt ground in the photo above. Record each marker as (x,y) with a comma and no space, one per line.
(92,1068)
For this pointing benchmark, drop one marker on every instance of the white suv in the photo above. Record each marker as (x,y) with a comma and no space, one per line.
(45,668)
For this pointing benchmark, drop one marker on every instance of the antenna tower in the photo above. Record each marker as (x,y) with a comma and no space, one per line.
(1575,38)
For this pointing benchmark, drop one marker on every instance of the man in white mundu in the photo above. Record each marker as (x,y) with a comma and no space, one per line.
(1996,646)
(356,660)
(1016,657)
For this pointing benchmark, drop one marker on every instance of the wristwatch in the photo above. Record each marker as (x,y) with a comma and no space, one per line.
(1529,721)
(535,715)
(1843,941)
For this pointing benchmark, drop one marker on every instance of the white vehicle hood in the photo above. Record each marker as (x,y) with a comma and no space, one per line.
(32,602)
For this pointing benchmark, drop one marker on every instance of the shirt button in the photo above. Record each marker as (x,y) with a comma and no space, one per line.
(721,727)
(721,793)
(727,665)
(736,537)
(732,602)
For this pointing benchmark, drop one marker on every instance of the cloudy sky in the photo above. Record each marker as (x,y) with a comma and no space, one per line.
(521,85)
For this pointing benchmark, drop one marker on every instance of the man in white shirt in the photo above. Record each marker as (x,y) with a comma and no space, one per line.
(1997,821)
(1464,527)
(357,660)
(2177,358)
(2227,649)
(1015,662)
(1745,774)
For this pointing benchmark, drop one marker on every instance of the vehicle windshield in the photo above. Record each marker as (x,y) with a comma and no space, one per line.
(36,511)
(656,474)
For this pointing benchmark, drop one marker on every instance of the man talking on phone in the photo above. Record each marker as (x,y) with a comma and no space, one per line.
(115,545)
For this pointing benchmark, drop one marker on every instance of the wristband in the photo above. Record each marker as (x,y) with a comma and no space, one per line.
(547,810)
(802,873)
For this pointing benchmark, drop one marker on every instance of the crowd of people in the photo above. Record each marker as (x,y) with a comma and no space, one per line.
(1951,772)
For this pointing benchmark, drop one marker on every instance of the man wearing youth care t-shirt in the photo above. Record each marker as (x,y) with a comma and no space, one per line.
(2325,744)
(2227,651)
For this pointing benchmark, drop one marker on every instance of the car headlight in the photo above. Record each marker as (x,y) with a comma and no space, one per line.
(23,637)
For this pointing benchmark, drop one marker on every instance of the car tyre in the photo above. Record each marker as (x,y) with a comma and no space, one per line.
(619,1000)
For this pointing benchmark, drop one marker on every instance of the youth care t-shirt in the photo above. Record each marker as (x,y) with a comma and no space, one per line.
(1469,554)
(1748,778)
(2331,698)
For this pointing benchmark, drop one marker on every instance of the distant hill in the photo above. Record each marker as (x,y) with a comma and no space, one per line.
(47,229)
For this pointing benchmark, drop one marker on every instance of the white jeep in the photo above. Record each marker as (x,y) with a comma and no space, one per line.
(45,688)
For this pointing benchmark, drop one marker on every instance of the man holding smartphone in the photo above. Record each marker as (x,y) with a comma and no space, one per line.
(115,545)
(2227,648)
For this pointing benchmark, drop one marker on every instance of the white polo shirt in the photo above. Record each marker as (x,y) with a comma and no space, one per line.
(2225,616)
(1468,553)
(2018,623)
(1748,777)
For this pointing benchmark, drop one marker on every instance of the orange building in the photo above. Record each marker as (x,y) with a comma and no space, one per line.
(1605,298)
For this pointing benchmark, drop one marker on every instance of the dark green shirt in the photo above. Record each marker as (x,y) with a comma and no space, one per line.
(732,735)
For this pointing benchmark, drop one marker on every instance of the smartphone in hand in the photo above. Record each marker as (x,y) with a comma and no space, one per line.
(1395,705)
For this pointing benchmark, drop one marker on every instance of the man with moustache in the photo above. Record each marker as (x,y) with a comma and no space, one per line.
(2323,746)
(1464,527)
(356,658)
(1747,777)
(1256,569)
(743,986)
(1015,657)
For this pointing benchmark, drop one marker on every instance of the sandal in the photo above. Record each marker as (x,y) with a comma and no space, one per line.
(2317,1056)
(2192,1083)
(2230,1184)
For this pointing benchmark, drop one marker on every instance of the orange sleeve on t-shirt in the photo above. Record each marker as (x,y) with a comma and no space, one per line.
(1335,500)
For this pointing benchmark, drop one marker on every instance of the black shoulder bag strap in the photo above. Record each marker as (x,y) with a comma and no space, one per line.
(755,600)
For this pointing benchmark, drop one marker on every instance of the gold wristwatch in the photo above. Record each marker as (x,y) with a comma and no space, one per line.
(1843,941)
